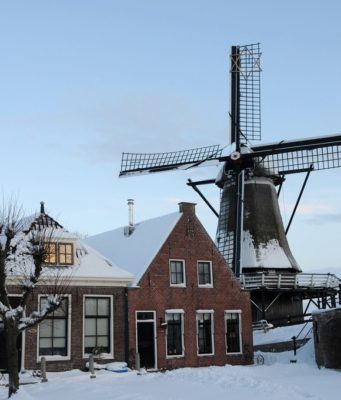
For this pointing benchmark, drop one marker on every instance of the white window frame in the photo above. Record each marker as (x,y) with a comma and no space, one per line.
(212,331)
(239,312)
(181,312)
(111,325)
(56,357)
(206,285)
(183,284)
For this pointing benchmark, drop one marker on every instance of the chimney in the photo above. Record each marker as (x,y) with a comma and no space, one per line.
(187,207)
(42,208)
(131,211)
(128,230)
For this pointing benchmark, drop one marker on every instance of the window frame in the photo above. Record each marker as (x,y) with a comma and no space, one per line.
(66,254)
(57,357)
(181,313)
(205,285)
(198,313)
(47,260)
(111,325)
(183,283)
(239,313)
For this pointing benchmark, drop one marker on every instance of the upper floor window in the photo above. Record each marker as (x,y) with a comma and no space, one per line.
(59,253)
(205,273)
(51,253)
(174,333)
(233,331)
(177,273)
(205,332)
(53,330)
(65,253)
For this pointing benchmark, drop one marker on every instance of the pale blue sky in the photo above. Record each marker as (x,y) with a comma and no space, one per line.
(82,81)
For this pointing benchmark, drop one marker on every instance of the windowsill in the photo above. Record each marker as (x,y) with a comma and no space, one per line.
(106,356)
(208,285)
(180,285)
(175,356)
(234,354)
(54,358)
(206,355)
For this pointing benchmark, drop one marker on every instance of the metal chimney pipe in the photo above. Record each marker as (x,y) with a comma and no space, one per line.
(131,211)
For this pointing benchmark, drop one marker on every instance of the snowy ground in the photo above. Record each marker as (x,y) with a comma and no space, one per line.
(277,379)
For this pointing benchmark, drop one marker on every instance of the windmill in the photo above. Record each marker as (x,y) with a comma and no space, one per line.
(250,232)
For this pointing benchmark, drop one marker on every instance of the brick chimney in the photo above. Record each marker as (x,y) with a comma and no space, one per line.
(188,208)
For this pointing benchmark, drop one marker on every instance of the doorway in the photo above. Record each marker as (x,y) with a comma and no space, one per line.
(146,338)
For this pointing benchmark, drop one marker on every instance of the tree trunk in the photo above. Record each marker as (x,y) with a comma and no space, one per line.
(11,332)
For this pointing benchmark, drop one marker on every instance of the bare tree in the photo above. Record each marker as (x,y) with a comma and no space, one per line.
(23,251)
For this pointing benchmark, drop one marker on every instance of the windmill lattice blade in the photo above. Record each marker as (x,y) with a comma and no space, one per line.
(142,163)
(297,156)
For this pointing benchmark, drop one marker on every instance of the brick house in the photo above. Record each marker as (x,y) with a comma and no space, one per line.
(93,312)
(186,308)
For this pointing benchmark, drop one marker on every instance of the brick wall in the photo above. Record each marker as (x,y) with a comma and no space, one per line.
(190,242)
(76,359)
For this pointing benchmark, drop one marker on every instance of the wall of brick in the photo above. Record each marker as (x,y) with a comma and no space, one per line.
(189,241)
(76,359)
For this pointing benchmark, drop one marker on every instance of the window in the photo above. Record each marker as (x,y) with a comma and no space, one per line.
(65,253)
(205,332)
(174,333)
(59,253)
(233,331)
(97,332)
(177,272)
(53,331)
(51,253)
(205,273)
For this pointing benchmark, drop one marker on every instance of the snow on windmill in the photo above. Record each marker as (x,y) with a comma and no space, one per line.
(250,233)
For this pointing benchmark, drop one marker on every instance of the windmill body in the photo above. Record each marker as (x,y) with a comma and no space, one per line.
(250,231)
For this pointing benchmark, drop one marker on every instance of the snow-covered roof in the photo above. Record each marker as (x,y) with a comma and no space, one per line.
(93,266)
(136,251)
(89,266)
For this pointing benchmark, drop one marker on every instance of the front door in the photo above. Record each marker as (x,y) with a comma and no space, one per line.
(145,333)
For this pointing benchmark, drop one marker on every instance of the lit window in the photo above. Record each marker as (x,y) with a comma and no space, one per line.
(174,334)
(97,325)
(204,273)
(50,253)
(53,331)
(233,331)
(177,272)
(205,332)
(65,253)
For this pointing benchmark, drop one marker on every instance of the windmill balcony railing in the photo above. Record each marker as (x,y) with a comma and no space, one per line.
(289,281)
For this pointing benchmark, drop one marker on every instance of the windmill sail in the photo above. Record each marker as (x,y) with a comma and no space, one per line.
(144,163)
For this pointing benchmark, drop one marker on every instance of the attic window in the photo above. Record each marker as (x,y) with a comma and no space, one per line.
(51,253)
(65,253)
(59,253)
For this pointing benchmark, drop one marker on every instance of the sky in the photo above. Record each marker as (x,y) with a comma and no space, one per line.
(83,81)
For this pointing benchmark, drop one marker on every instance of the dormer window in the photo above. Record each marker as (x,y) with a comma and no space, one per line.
(59,253)
(65,253)
(51,253)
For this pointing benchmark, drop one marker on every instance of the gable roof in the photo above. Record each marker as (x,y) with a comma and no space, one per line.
(136,251)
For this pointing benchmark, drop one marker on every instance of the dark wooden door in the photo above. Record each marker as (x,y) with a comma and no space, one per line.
(146,344)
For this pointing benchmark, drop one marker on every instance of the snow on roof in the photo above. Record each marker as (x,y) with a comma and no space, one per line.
(94,265)
(89,265)
(136,251)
